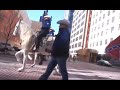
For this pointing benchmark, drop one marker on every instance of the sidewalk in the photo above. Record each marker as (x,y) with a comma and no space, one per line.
(76,70)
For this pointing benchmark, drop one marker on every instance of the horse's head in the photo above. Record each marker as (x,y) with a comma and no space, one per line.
(17,29)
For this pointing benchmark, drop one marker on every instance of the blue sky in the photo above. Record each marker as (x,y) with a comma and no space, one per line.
(56,15)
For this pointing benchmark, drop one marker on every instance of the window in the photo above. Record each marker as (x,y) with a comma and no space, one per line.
(96,43)
(76,18)
(93,44)
(91,36)
(97,14)
(112,28)
(98,34)
(75,23)
(73,40)
(77,32)
(98,26)
(81,30)
(106,41)
(103,24)
(76,38)
(78,26)
(100,42)
(103,16)
(108,12)
(107,21)
(106,31)
(96,21)
(76,45)
(79,14)
(83,11)
(93,22)
(93,15)
(90,45)
(92,29)
(83,16)
(119,15)
(113,18)
(79,44)
(82,23)
(74,51)
(94,35)
(80,37)
(95,29)
(79,21)
(119,27)
(101,33)
(74,34)
(73,46)
(99,18)
(113,11)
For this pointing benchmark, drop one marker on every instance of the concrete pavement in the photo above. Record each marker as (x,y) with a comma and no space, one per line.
(77,71)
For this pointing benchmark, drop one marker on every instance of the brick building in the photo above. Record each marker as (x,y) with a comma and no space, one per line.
(7,24)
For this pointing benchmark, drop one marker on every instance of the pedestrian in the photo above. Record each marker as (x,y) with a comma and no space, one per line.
(60,51)
(74,58)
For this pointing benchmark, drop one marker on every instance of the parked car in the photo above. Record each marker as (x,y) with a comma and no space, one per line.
(104,63)
(16,48)
(7,48)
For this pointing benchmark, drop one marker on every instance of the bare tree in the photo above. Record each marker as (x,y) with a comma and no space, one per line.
(9,26)
(1,15)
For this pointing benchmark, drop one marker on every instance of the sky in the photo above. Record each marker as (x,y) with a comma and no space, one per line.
(56,15)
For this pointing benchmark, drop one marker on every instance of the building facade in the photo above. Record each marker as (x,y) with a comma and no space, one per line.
(79,30)
(105,27)
(66,14)
(69,16)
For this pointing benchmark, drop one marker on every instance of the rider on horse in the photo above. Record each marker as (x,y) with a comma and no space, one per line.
(46,24)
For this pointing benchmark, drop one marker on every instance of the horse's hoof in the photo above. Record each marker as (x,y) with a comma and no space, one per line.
(32,65)
(20,70)
(18,60)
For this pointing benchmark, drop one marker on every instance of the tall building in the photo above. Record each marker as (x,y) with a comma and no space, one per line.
(69,16)
(66,14)
(80,30)
(105,27)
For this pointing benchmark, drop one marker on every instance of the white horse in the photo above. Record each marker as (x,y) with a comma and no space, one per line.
(27,35)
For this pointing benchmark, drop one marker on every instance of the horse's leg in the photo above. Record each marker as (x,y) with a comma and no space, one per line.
(30,57)
(56,71)
(19,55)
(25,57)
(35,58)
(41,59)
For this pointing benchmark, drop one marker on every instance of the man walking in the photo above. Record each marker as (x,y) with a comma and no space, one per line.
(60,51)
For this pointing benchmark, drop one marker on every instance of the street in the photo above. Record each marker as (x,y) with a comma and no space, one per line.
(77,71)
